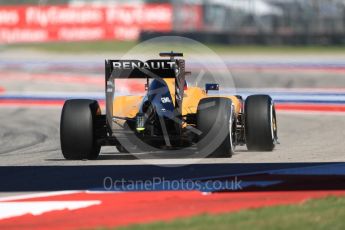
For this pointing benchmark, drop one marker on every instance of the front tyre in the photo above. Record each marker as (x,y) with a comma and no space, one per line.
(78,129)
(260,123)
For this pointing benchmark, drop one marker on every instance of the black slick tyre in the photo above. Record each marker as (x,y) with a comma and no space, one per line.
(215,121)
(78,129)
(260,123)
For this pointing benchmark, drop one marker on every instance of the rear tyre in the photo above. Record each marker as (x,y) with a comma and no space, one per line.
(260,123)
(78,129)
(216,121)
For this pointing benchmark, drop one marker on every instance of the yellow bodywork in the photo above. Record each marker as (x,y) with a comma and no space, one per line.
(128,106)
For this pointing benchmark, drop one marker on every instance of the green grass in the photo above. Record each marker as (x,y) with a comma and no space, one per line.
(76,47)
(328,213)
(115,46)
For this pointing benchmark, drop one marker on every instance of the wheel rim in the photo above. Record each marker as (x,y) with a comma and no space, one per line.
(273,123)
(271,117)
(231,123)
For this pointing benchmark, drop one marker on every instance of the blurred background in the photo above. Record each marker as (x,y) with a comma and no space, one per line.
(220,21)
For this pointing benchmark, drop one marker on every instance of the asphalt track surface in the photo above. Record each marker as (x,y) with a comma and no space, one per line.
(30,137)
(31,159)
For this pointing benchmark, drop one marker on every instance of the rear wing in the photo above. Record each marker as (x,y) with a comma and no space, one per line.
(118,69)
(131,69)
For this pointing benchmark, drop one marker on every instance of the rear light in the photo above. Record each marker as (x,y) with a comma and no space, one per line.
(140,122)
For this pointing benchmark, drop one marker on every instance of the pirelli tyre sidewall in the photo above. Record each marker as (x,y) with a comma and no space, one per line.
(77,129)
(215,120)
(260,123)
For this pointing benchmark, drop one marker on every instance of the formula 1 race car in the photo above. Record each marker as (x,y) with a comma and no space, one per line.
(169,116)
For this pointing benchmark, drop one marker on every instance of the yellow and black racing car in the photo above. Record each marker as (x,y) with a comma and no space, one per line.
(168,116)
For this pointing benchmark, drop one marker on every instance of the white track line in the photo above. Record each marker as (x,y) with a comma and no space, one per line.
(15,209)
(38,195)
